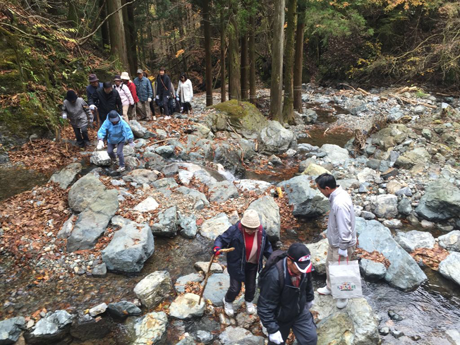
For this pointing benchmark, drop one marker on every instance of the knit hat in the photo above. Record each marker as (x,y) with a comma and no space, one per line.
(250,219)
(117,78)
(113,116)
(300,255)
(71,96)
(125,76)
(93,78)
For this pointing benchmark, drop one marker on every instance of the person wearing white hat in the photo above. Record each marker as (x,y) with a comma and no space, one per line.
(251,244)
(127,99)
(127,81)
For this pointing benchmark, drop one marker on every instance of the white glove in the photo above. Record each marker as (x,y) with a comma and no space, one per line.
(132,144)
(157,97)
(177,98)
(276,338)
(64,116)
(343,252)
(92,107)
(149,99)
(100,145)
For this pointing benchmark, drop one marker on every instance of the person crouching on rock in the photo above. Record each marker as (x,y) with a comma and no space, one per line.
(250,242)
(117,132)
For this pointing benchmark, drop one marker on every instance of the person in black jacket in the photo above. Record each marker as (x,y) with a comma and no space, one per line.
(251,244)
(286,295)
(163,91)
(106,99)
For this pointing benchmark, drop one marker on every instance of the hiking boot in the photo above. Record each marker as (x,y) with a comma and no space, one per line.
(250,308)
(228,307)
(342,303)
(324,291)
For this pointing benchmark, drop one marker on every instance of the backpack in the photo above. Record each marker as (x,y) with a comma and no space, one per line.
(276,257)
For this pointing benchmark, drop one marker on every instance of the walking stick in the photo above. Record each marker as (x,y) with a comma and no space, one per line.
(225,250)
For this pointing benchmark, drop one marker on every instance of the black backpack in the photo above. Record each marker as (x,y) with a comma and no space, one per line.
(276,257)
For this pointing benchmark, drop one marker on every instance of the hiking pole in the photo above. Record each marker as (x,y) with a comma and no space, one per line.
(225,250)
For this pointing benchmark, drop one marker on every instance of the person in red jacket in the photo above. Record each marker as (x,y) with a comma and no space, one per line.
(132,108)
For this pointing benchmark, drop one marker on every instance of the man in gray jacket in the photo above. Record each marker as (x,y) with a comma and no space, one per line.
(341,233)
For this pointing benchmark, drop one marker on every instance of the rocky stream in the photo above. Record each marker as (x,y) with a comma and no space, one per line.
(92,256)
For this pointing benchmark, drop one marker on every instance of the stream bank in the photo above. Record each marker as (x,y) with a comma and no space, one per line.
(212,153)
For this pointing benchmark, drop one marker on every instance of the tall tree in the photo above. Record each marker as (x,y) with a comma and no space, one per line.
(288,106)
(276,87)
(252,60)
(223,96)
(244,67)
(207,48)
(117,33)
(105,25)
(131,37)
(233,53)
(298,60)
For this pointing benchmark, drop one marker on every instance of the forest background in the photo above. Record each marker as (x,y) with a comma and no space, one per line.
(238,46)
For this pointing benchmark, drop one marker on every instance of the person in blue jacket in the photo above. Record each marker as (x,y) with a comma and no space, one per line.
(249,239)
(117,132)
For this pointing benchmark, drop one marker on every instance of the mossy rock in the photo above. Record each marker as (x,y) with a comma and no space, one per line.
(243,117)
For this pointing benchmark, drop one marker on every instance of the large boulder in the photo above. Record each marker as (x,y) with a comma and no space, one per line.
(141,176)
(403,273)
(307,201)
(391,136)
(355,324)
(167,223)
(256,186)
(315,170)
(411,158)
(97,206)
(450,241)
(214,227)
(101,159)
(138,130)
(222,191)
(440,202)
(274,138)
(129,248)
(335,154)
(414,239)
(243,117)
(216,288)
(372,270)
(151,329)
(318,253)
(85,327)
(50,329)
(450,267)
(239,336)
(10,330)
(154,288)
(186,306)
(66,176)
(269,214)
(385,206)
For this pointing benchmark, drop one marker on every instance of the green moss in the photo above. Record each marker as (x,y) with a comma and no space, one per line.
(241,115)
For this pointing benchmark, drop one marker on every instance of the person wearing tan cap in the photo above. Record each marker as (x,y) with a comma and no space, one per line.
(251,244)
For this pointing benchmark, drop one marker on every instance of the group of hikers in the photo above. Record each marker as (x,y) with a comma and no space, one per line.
(114,103)
(286,287)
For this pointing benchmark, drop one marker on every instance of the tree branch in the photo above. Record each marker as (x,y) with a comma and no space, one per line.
(83,40)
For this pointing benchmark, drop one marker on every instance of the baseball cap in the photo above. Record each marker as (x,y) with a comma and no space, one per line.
(300,255)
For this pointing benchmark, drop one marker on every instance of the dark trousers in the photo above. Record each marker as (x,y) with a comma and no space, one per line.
(82,136)
(304,329)
(152,108)
(102,117)
(186,107)
(249,284)
(120,155)
(165,100)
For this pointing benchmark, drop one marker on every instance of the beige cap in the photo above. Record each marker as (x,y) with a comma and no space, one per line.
(250,219)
